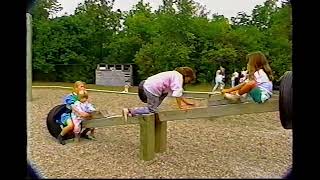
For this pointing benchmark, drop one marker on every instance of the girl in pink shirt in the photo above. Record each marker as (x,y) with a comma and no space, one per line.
(154,89)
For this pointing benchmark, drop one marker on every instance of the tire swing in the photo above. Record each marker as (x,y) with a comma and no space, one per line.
(52,125)
(285,100)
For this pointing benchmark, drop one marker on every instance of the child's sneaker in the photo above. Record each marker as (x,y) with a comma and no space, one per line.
(92,137)
(85,136)
(232,97)
(61,140)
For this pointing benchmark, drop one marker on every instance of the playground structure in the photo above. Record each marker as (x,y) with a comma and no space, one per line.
(153,127)
(114,74)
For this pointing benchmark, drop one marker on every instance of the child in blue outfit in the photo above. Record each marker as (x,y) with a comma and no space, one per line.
(65,119)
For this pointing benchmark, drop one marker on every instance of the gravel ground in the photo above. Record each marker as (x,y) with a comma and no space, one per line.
(242,146)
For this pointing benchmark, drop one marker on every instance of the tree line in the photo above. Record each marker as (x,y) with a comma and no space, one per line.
(178,33)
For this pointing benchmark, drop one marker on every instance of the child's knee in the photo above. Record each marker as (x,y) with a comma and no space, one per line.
(77,129)
(71,126)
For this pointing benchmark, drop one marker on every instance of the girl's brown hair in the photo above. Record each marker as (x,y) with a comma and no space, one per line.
(256,61)
(187,72)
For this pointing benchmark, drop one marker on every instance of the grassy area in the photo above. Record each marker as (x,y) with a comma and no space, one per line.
(89,86)
(193,87)
(198,87)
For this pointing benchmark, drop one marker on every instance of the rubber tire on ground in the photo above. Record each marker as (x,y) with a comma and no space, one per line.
(53,127)
(285,100)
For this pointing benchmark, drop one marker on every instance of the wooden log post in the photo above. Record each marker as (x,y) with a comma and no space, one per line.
(29,57)
(160,134)
(147,137)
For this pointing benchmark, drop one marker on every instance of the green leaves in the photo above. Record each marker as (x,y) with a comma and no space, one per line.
(161,56)
(179,33)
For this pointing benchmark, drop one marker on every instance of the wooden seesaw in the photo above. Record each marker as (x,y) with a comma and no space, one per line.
(153,127)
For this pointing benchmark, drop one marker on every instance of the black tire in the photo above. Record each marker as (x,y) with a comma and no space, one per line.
(285,100)
(53,127)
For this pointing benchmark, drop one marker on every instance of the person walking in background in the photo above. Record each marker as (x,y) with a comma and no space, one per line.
(219,79)
(234,78)
(243,75)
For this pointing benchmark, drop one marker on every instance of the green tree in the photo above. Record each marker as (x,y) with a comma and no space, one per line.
(43,8)
(261,14)
(280,47)
(242,19)
(179,33)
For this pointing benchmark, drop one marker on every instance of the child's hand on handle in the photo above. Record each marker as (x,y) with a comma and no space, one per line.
(184,108)
(193,105)
(85,115)
(82,114)
(188,102)
(181,103)
(184,104)
(187,107)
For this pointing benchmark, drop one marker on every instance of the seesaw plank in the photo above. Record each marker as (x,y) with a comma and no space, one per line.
(221,110)
(201,112)
(110,121)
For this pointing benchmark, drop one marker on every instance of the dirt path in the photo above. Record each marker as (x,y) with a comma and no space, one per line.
(246,146)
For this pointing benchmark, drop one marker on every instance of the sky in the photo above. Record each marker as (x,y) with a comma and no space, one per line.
(228,8)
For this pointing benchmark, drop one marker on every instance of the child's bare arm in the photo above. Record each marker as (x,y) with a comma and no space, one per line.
(80,113)
(96,114)
(239,86)
(187,101)
(179,100)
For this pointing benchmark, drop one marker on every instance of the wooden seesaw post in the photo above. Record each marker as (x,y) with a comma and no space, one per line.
(29,57)
(147,131)
(147,137)
(160,134)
